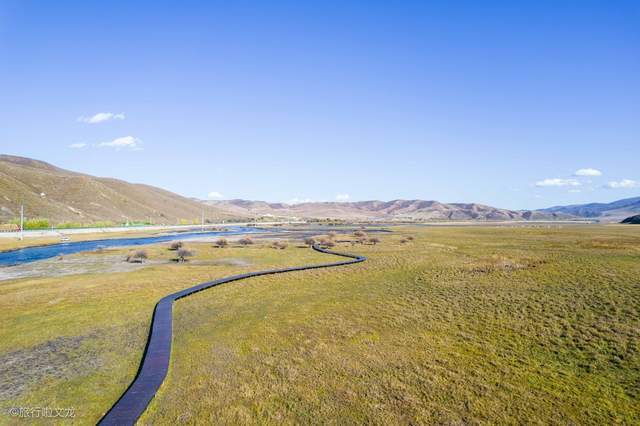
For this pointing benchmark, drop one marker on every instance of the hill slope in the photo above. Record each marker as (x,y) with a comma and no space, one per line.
(61,195)
(634,220)
(612,212)
(380,210)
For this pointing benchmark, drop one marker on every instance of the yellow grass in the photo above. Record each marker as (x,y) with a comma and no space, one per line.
(462,325)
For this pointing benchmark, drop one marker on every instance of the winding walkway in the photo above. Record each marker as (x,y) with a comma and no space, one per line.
(155,361)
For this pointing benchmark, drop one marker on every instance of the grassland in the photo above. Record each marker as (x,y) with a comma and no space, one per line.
(461,325)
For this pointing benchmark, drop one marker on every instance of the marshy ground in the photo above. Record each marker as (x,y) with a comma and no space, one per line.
(460,325)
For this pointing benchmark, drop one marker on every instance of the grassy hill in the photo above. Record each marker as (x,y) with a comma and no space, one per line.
(65,196)
(634,220)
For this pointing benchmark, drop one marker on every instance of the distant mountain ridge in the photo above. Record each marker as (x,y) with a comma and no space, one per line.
(610,212)
(64,196)
(381,210)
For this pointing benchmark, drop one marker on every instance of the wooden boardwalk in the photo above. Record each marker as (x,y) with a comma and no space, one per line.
(157,355)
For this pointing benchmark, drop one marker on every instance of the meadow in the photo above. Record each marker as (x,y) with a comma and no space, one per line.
(461,325)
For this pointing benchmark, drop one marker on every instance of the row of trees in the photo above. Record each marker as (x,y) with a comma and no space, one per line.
(182,253)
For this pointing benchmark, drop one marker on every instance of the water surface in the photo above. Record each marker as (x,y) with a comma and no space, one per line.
(32,254)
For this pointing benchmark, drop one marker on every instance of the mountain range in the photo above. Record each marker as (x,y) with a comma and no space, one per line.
(65,196)
(605,212)
(410,210)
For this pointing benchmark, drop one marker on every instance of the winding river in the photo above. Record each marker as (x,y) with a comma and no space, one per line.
(32,254)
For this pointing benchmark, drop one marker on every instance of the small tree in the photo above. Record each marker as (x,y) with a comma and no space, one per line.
(221,243)
(374,240)
(410,238)
(280,245)
(360,234)
(309,241)
(183,253)
(139,256)
(362,240)
(404,240)
(327,243)
(331,235)
(176,245)
(246,241)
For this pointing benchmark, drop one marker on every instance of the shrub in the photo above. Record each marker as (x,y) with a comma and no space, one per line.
(35,223)
(176,245)
(410,238)
(183,253)
(246,241)
(404,240)
(331,235)
(69,225)
(281,245)
(374,240)
(139,256)
(221,243)
(309,241)
(360,234)
(327,243)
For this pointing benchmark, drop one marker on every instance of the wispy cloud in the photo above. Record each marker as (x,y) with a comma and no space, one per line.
(588,172)
(128,142)
(77,145)
(101,117)
(574,191)
(623,184)
(342,197)
(557,182)
(215,195)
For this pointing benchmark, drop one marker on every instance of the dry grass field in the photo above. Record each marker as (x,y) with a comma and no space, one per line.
(461,325)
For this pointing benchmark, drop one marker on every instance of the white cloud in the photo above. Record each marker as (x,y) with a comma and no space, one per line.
(215,195)
(299,200)
(128,142)
(101,117)
(588,172)
(623,184)
(77,145)
(342,197)
(557,182)
(574,191)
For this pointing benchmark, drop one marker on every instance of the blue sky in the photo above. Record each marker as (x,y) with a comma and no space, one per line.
(493,102)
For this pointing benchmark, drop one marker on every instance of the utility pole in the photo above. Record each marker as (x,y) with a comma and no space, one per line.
(21,222)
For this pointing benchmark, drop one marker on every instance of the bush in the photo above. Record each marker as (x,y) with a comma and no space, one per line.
(176,245)
(331,235)
(410,238)
(327,243)
(309,241)
(246,241)
(183,253)
(374,240)
(281,245)
(360,234)
(221,243)
(139,256)
(35,223)
(69,225)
